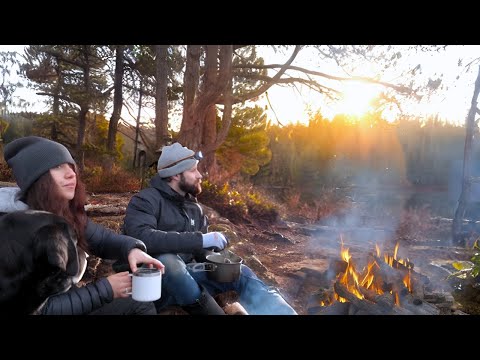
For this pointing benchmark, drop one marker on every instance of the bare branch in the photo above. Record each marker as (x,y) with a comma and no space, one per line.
(271,107)
(399,88)
(270,82)
(63,97)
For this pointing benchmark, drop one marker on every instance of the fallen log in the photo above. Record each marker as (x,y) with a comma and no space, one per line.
(7,184)
(105,210)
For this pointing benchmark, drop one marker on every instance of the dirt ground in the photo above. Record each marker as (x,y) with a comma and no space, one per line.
(294,257)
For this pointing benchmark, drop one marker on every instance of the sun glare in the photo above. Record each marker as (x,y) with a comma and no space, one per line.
(356,99)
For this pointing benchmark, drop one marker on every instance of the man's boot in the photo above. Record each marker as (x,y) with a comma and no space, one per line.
(205,305)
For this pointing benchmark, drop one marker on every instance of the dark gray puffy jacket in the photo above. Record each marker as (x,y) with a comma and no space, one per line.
(164,220)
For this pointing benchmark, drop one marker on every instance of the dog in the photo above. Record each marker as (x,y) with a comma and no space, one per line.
(38,259)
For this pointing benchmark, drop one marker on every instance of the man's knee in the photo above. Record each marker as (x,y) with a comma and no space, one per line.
(246,271)
(174,265)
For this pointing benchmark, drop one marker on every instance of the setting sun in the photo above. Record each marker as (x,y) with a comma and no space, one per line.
(356,99)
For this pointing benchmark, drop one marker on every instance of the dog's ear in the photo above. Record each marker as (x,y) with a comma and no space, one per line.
(58,245)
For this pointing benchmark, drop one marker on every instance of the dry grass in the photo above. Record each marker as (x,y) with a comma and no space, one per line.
(415,224)
(6,173)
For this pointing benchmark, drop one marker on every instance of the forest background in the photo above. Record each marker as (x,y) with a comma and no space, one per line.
(213,92)
(257,169)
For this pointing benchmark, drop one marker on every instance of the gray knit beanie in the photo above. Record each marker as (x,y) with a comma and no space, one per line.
(177,155)
(32,156)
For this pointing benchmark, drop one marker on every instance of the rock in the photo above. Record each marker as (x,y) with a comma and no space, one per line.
(278,237)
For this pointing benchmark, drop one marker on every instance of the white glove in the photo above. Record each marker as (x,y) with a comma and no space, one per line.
(215,240)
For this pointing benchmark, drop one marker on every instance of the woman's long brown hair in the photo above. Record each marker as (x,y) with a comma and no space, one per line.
(42,196)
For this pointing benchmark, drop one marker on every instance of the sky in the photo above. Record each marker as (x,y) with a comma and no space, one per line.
(288,104)
(452,103)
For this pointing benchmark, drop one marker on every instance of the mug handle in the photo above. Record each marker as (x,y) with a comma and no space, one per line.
(197,267)
(129,292)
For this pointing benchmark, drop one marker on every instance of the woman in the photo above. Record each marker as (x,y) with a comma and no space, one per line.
(47,180)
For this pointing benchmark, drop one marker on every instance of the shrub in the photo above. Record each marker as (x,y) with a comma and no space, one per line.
(6,173)
(260,208)
(226,201)
(238,204)
(118,180)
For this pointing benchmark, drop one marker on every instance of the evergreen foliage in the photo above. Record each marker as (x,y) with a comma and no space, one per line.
(246,146)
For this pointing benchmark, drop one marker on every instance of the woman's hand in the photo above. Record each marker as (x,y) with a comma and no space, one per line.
(137,256)
(121,284)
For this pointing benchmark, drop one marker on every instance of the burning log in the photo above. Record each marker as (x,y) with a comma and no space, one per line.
(418,306)
(338,266)
(337,308)
(384,287)
(406,300)
(386,273)
(383,307)
(398,265)
(396,275)
(384,304)
(385,300)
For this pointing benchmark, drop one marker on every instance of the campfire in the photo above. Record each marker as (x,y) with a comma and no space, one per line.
(386,285)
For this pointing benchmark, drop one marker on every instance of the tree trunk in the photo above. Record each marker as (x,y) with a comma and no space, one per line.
(137,127)
(457,234)
(82,122)
(84,107)
(161,100)
(56,103)
(199,125)
(117,100)
(190,84)
(208,165)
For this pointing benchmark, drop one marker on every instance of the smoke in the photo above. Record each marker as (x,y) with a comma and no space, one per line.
(371,219)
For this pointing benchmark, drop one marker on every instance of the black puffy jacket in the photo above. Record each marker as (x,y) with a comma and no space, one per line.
(103,243)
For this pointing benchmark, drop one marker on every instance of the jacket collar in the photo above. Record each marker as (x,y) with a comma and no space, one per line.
(168,192)
(9,200)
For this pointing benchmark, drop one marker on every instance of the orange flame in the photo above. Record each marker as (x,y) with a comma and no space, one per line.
(368,278)
(407,281)
(350,277)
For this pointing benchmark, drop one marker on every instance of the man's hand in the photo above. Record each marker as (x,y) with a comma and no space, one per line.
(214,240)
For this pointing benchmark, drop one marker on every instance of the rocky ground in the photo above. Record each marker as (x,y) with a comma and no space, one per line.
(295,257)
(273,253)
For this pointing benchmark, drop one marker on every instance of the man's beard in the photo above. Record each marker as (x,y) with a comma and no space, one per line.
(193,189)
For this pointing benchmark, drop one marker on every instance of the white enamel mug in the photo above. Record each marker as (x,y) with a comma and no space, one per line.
(146,284)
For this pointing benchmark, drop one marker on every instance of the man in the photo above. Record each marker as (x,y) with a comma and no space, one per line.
(168,219)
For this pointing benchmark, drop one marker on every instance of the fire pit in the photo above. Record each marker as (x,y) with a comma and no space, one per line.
(387,285)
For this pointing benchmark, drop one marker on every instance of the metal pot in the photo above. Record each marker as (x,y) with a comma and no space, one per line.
(220,267)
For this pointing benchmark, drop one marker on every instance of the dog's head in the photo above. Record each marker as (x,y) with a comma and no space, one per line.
(38,258)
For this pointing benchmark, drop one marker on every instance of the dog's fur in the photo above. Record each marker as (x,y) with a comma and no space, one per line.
(38,258)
